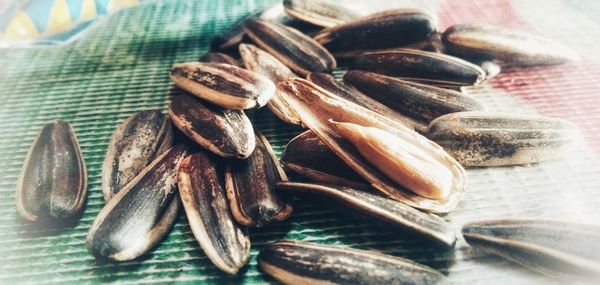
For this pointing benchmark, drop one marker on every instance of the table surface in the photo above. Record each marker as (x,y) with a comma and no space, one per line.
(121,66)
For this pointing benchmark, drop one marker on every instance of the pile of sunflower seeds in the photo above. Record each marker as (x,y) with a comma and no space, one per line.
(390,141)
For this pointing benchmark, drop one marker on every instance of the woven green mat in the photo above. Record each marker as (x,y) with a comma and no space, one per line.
(121,67)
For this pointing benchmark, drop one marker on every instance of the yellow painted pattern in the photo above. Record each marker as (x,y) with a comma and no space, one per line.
(21,27)
(59,19)
(88,11)
(116,5)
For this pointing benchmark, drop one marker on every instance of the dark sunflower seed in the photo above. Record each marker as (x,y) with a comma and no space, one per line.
(421,66)
(227,133)
(53,181)
(296,50)
(508,46)
(294,262)
(418,103)
(141,214)
(224,85)
(202,191)
(319,12)
(261,62)
(553,248)
(134,144)
(383,209)
(431,44)
(494,139)
(305,155)
(388,29)
(235,34)
(217,57)
(252,187)
(329,83)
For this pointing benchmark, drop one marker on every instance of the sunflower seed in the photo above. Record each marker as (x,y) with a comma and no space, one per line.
(296,50)
(388,29)
(317,108)
(387,210)
(553,248)
(202,191)
(294,262)
(217,57)
(224,85)
(431,44)
(329,83)
(134,144)
(305,155)
(421,66)
(319,12)
(141,214)
(418,104)
(227,133)
(494,139)
(261,62)
(53,181)
(506,45)
(252,187)
(235,34)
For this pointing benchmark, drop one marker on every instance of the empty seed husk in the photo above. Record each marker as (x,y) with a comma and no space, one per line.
(141,214)
(322,13)
(227,133)
(389,211)
(305,155)
(53,181)
(224,85)
(202,191)
(252,187)
(388,29)
(509,46)
(319,110)
(299,52)
(294,262)
(329,83)
(421,66)
(496,139)
(217,57)
(235,35)
(553,248)
(418,104)
(406,165)
(134,144)
(261,62)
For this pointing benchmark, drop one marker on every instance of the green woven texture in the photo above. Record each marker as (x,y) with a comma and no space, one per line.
(121,67)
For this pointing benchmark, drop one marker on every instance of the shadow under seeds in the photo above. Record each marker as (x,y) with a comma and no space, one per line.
(47,226)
